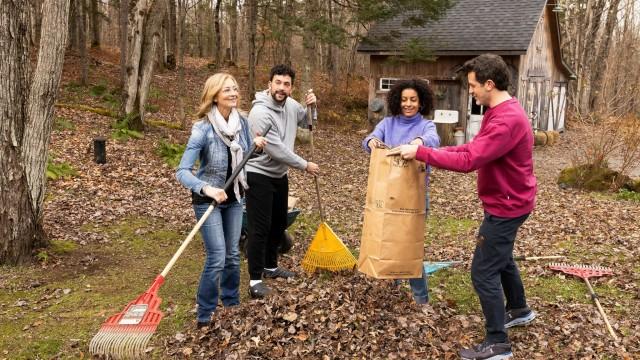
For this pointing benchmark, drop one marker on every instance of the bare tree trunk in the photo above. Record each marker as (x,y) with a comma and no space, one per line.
(199,33)
(599,62)
(144,39)
(286,46)
(18,224)
(42,97)
(122,37)
(217,45)
(182,117)
(170,60)
(25,123)
(331,61)
(82,39)
(73,26)
(233,30)
(594,15)
(96,19)
(308,47)
(253,15)
(36,21)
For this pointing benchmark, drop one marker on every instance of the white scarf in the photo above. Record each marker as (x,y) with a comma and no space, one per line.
(229,132)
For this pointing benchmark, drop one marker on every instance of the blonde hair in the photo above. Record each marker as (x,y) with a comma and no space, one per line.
(212,87)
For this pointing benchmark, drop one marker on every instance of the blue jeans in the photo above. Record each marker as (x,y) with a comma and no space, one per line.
(420,286)
(220,234)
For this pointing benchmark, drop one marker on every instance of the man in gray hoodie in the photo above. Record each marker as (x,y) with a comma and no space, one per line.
(268,191)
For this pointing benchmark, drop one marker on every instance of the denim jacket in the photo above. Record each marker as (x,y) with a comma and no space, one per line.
(205,145)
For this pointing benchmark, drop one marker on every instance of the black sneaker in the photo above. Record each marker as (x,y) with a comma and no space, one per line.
(202,324)
(259,291)
(486,351)
(278,273)
(518,317)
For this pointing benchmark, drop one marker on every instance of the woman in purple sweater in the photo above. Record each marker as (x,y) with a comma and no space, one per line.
(408,102)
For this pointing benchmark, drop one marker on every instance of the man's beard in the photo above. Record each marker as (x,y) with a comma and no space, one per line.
(273,95)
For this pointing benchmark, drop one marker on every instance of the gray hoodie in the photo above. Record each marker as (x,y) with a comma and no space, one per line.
(277,156)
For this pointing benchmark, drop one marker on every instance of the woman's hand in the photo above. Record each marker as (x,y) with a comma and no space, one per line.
(217,194)
(260,141)
(417,141)
(375,143)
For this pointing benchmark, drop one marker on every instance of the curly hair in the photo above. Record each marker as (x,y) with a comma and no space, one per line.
(425,96)
(489,67)
(282,69)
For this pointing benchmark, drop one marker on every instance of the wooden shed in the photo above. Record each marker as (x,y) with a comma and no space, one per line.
(525,33)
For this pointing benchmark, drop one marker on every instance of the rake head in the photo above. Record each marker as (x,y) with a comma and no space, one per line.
(581,271)
(126,334)
(327,251)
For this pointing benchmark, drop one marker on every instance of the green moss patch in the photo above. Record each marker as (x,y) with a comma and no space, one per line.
(590,178)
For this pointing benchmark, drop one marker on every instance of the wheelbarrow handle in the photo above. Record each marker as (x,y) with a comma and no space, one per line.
(214,203)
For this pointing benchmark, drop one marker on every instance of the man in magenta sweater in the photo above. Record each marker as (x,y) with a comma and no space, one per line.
(502,152)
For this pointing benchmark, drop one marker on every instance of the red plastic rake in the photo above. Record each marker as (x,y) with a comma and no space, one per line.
(585,272)
(125,335)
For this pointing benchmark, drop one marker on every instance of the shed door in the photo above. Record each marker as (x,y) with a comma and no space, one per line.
(446,96)
(476,113)
(558,105)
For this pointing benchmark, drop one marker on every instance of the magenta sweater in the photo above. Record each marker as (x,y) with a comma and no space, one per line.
(502,152)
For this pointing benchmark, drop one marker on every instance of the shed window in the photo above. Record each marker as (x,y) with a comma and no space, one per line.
(387,83)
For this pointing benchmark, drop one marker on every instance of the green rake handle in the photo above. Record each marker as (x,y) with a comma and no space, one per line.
(204,217)
(600,309)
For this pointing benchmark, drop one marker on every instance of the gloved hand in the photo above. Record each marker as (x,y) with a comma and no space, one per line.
(215,193)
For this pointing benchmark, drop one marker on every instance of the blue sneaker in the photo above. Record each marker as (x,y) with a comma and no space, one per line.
(518,317)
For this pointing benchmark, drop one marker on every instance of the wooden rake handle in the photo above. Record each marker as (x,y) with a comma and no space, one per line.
(602,313)
(227,185)
(526,258)
(315,177)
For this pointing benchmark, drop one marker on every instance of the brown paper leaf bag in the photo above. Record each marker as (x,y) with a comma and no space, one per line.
(392,245)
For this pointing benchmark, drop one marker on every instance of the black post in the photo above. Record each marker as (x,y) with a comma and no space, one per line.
(100,150)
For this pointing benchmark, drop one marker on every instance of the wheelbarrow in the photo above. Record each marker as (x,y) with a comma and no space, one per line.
(287,239)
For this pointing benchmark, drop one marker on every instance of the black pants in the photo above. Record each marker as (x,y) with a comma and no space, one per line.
(266,201)
(493,271)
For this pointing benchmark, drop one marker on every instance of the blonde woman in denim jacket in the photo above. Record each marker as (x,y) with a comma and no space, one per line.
(219,140)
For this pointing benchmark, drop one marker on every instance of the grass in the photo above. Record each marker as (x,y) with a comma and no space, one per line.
(152,108)
(628,195)
(170,153)
(122,132)
(455,289)
(136,252)
(59,170)
(62,124)
(445,228)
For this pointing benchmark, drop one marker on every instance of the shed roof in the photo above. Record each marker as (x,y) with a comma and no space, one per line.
(469,27)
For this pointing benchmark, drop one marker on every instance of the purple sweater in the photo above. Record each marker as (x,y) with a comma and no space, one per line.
(399,130)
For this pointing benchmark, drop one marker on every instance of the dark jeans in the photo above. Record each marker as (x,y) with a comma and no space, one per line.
(266,221)
(493,271)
